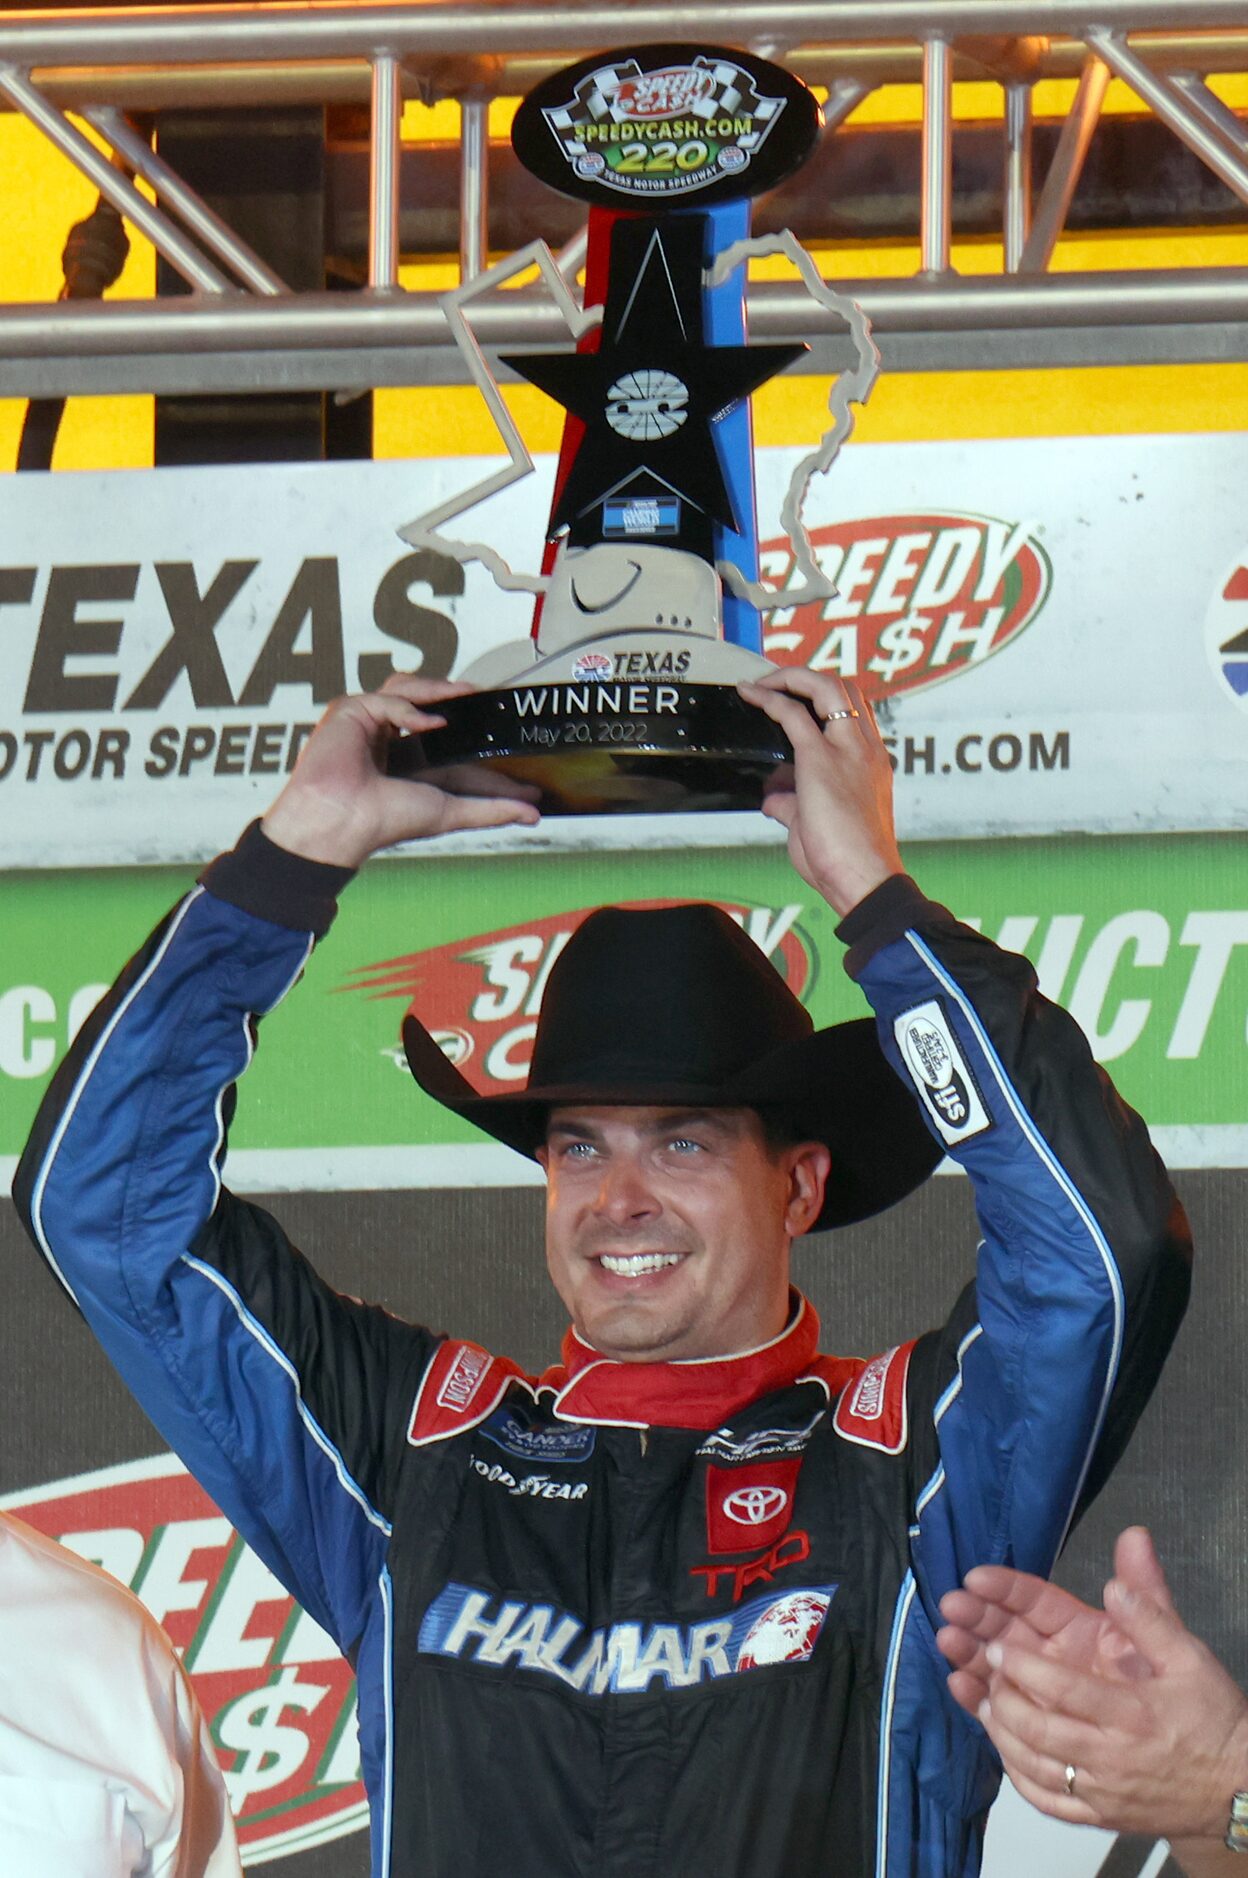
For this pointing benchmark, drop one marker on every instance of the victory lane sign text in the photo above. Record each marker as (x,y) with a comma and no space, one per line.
(91,621)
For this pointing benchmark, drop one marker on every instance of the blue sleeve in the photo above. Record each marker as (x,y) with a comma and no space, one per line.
(287,1401)
(1024,1401)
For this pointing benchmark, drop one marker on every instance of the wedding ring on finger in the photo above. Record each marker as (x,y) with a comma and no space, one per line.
(832,717)
(1068,1781)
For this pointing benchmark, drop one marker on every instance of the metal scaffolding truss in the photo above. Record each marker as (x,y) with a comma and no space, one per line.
(240,329)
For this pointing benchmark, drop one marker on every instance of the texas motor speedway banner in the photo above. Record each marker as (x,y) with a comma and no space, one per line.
(1055,632)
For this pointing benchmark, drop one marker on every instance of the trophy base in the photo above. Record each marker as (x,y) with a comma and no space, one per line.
(601,748)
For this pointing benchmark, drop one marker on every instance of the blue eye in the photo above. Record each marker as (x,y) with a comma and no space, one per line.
(685,1143)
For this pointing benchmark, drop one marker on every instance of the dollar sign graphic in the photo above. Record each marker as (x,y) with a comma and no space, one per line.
(900,647)
(266,1754)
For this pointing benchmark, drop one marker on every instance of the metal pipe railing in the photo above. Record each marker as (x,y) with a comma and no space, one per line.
(474,186)
(1208,105)
(1016,183)
(1175,110)
(180,252)
(777,310)
(211,81)
(936,189)
(191,209)
(1065,168)
(383,173)
(117,36)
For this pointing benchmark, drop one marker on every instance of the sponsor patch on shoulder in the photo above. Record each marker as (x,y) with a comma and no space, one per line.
(872,1408)
(941,1073)
(461,1385)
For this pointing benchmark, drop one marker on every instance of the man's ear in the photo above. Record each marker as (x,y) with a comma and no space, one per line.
(809,1164)
(542,1157)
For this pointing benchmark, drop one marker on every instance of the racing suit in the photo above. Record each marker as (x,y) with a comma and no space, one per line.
(627,1618)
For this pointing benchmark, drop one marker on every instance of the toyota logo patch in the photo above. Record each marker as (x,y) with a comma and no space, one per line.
(749,1506)
(754,1506)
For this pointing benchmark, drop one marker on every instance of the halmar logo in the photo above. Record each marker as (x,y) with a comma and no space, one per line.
(480,997)
(919,598)
(278,1696)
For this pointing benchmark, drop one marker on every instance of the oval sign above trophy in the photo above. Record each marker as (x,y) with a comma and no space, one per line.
(662,126)
(649,602)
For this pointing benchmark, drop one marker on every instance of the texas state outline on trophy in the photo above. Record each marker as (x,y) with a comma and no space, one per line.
(648,605)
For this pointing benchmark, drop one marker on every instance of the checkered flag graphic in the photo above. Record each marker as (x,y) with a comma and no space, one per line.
(604,95)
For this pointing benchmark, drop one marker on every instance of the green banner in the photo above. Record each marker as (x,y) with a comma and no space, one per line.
(1146,940)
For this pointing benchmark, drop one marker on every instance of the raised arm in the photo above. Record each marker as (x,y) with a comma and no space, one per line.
(287,1401)
(1025,1400)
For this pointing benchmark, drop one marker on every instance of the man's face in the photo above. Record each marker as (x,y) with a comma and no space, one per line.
(668,1230)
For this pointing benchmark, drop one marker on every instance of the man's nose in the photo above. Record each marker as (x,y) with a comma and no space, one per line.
(624,1193)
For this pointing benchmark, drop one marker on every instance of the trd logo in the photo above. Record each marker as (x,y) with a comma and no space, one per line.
(793,1549)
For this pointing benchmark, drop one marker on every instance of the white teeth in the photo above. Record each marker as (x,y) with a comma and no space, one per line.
(637,1264)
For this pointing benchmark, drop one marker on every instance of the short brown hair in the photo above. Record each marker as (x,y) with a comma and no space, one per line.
(782,1126)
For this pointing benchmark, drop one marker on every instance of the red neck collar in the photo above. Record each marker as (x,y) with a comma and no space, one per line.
(697,1392)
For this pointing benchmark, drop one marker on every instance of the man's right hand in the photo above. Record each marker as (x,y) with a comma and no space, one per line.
(340,806)
(1120,1718)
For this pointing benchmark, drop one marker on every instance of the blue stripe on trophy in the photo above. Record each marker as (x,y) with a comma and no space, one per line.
(724,313)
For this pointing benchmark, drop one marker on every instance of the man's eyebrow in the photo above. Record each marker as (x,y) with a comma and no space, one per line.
(694,1118)
(583,1130)
(572,1127)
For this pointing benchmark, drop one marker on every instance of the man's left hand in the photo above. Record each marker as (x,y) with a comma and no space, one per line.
(837,801)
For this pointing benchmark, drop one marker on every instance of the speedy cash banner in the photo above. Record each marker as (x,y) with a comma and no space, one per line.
(1145,941)
(1054,632)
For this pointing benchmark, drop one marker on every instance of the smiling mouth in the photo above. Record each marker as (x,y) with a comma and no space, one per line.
(637,1264)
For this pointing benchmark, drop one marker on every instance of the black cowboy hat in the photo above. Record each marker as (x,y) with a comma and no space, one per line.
(676,1006)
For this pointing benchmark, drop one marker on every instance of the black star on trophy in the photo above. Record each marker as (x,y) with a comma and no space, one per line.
(649,603)
(648,467)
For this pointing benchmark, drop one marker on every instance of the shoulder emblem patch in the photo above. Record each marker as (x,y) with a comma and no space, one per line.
(940,1072)
(461,1386)
(872,1408)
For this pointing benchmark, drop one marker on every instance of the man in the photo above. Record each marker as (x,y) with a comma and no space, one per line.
(670,1607)
(106,1766)
(1118,1718)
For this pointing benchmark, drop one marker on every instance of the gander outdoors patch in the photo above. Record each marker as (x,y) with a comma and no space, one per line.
(919,598)
(278,1696)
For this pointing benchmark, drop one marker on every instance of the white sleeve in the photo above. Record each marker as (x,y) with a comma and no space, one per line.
(188,1831)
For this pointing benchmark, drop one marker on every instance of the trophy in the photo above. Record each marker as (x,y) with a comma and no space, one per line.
(648,605)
